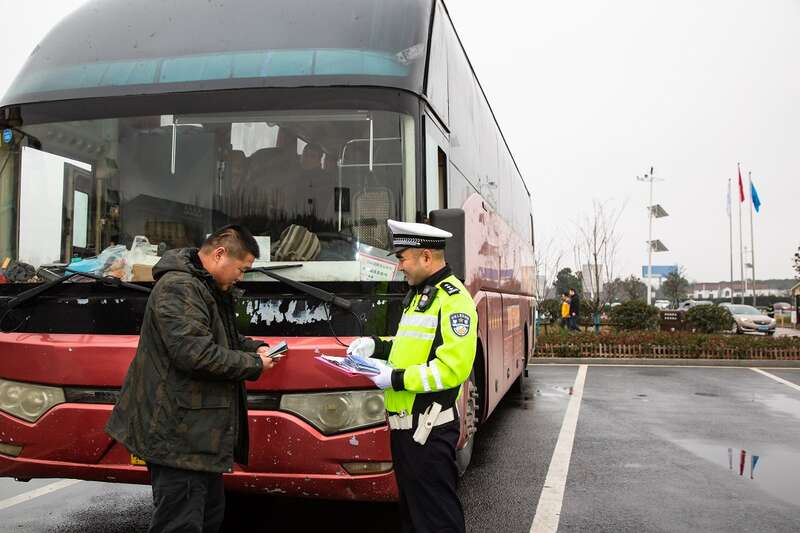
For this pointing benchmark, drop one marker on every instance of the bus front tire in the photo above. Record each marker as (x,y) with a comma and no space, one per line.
(464,455)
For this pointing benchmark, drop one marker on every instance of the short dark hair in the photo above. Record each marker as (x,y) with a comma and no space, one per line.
(236,239)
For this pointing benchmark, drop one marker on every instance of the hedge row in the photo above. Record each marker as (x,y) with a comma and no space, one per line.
(680,344)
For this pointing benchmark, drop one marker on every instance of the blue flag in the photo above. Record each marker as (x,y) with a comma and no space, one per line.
(754,197)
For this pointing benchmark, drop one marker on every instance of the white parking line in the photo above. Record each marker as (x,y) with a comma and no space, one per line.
(548,512)
(41,491)
(667,365)
(776,378)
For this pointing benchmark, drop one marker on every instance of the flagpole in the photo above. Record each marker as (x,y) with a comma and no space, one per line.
(741,249)
(752,238)
(730,233)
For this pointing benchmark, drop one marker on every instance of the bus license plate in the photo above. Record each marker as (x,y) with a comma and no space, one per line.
(135,461)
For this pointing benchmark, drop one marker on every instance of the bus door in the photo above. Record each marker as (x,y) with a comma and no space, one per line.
(512,337)
(76,212)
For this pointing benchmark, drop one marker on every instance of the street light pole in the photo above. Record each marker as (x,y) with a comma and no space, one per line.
(650,215)
(650,244)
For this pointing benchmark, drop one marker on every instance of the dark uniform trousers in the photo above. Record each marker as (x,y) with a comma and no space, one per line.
(427,476)
(186,501)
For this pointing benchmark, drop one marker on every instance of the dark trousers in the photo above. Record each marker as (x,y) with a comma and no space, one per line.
(186,501)
(572,323)
(427,476)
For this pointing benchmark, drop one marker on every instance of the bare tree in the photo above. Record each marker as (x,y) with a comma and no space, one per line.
(548,261)
(596,245)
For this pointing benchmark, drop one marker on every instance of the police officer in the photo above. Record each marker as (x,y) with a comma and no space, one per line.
(430,357)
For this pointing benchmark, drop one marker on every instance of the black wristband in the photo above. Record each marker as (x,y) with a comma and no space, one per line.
(398,379)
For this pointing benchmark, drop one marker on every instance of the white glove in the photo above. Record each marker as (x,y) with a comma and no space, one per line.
(384,379)
(362,346)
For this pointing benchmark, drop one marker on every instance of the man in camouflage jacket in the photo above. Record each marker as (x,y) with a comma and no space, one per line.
(183,405)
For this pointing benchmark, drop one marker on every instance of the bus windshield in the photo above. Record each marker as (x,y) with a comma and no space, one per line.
(314,187)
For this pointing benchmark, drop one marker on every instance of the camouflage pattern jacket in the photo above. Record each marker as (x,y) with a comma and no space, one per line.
(183,403)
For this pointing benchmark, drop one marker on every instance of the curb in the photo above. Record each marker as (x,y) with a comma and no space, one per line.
(744,363)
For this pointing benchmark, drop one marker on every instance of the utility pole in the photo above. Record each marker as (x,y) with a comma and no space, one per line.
(741,247)
(730,233)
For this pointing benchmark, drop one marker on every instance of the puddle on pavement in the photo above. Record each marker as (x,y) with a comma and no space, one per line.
(553,391)
(781,403)
(768,465)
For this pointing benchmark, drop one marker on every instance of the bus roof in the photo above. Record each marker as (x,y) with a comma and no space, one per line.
(121,48)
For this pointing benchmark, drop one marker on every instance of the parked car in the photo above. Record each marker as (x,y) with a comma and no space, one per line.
(661,304)
(748,318)
(688,304)
(782,309)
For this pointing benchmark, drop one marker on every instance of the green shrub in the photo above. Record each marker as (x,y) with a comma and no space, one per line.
(709,319)
(634,315)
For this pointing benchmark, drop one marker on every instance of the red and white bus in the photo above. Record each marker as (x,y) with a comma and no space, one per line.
(137,127)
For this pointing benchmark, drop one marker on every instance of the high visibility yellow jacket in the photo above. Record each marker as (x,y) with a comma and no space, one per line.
(434,348)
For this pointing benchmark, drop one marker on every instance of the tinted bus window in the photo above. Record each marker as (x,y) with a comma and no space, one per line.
(464,119)
(437,68)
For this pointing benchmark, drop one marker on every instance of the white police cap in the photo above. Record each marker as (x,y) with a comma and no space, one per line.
(416,235)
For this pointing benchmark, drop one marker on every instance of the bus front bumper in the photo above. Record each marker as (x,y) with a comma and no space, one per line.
(287,456)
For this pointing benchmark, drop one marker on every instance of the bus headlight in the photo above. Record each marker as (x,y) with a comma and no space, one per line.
(27,401)
(335,412)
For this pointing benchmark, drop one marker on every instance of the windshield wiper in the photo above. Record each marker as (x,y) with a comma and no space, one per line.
(325,296)
(110,281)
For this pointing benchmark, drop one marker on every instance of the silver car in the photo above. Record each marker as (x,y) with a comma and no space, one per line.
(748,318)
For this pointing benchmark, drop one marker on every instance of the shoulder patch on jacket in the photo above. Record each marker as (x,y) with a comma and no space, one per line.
(449,288)
(460,323)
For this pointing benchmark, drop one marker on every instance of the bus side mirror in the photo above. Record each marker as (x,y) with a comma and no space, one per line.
(452,220)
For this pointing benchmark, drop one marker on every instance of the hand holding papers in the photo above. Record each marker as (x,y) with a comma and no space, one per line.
(279,350)
(383,380)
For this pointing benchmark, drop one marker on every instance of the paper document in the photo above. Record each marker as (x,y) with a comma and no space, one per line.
(354,364)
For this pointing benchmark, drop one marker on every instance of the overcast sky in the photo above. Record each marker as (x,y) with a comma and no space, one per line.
(591,94)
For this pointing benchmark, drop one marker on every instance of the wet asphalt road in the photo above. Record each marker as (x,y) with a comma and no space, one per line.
(787,332)
(651,453)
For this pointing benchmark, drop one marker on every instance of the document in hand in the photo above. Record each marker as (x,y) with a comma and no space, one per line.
(354,364)
(278,350)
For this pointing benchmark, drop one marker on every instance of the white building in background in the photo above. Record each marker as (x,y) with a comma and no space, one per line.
(588,278)
(723,289)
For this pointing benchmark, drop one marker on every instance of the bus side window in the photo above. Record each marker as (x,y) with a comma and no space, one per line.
(436,166)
